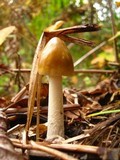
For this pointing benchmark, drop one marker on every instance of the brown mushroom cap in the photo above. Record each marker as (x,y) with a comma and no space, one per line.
(56,59)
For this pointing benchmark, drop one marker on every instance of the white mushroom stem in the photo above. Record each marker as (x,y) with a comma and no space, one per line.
(55,110)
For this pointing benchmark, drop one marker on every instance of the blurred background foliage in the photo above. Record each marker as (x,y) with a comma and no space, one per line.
(32,17)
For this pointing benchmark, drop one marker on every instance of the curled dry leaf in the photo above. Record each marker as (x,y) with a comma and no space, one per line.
(4,33)
(7,151)
(8,155)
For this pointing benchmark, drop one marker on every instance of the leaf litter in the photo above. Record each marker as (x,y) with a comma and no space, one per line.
(85,126)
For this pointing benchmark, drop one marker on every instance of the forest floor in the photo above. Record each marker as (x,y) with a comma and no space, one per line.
(92,125)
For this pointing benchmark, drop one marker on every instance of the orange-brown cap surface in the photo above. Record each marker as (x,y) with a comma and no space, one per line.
(56,59)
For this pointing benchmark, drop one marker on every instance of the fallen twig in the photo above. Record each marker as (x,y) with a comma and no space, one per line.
(44,109)
(40,147)
(76,71)
(94,71)
(102,152)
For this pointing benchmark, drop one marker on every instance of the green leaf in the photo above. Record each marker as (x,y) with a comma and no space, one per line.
(104,112)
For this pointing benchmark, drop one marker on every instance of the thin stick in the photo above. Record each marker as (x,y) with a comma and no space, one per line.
(18,96)
(76,138)
(93,71)
(79,70)
(89,53)
(15,128)
(43,109)
(21,70)
(53,152)
(79,148)
(95,49)
(37,146)
(101,151)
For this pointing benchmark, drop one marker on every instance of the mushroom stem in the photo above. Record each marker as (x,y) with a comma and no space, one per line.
(55,111)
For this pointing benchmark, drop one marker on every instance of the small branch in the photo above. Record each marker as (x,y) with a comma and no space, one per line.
(94,71)
(20,94)
(79,148)
(12,110)
(45,148)
(95,49)
(52,149)
(114,64)
(100,151)
(76,138)
(76,71)
(89,53)
(53,152)
(15,128)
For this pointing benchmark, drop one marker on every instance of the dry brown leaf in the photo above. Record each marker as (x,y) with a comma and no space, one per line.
(4,33)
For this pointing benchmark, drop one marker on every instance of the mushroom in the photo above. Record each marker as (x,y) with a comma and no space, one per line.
(55,61)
